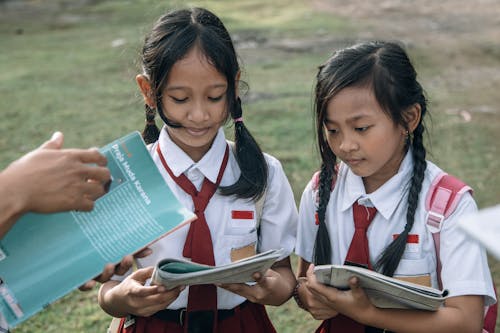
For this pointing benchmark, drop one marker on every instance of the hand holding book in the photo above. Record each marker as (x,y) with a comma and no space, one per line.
(172,272)
(383,291)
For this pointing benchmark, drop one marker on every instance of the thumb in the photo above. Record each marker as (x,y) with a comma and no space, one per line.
(142,274)
(55,142)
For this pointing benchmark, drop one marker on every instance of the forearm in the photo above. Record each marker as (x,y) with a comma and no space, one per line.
(11,207)
(446,319)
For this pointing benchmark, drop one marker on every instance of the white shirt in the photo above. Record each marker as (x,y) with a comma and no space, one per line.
(278,222)
(464,263)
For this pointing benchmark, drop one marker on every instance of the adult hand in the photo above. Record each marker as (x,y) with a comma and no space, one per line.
(51,179)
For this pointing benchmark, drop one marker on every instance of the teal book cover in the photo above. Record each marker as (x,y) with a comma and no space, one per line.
(46,256)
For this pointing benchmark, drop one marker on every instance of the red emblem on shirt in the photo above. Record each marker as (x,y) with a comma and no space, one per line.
(411,239)
(242,214)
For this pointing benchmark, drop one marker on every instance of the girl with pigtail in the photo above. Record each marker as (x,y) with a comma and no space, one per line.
(366,205)
(190,79)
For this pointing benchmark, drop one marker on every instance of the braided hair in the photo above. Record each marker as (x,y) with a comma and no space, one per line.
(171,38)
(387,70)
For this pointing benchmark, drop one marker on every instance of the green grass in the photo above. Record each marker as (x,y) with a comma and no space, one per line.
(62,73)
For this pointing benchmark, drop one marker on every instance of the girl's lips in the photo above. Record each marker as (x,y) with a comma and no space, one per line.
(197,131)
(354,161)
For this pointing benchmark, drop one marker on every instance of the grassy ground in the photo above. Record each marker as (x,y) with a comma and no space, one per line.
(70,66)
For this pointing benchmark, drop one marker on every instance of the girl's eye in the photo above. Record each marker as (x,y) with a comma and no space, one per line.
(361,129)
(179,100)
(332,131)
(215,99)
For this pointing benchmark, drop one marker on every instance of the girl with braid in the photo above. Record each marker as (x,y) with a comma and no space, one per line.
(369,110)
(190,79)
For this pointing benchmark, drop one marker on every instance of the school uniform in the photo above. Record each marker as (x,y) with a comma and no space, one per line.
(231,220)
(464,263)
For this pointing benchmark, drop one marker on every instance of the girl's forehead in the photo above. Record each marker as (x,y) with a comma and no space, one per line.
(353,102)
(195,69)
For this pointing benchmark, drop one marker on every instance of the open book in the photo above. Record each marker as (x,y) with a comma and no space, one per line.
(176,272)
(383,291)
(45,256)
(484,227)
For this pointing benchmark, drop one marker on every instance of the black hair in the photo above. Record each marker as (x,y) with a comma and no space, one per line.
(171,38)
(386,68)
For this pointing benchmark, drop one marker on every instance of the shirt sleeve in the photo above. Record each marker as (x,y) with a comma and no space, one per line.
(307,228)
(464,262)
(278,223)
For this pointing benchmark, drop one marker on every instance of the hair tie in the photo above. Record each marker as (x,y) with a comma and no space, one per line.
(238,120)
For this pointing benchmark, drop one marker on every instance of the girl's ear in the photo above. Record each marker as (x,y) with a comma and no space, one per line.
(412,116)
(145,87)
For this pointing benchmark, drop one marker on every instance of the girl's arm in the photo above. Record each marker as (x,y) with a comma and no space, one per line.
(131,296)
(460,314)
(273,288)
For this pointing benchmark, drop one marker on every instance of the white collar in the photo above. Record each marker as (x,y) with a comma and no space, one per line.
(179,162)
(387,197)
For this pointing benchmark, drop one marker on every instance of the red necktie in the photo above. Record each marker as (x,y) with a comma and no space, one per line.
(198,245)
(357,255)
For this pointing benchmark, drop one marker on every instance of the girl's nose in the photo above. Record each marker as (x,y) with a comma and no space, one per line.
(198,112)
(347,144)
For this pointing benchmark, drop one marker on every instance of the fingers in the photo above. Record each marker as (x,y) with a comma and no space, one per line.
(100,174)
(107,273)
(89,285)
(142,274)
(123,266)
(143,253)
(93,190)
(91,155)
(151,304)
(356,289)
(55,142)
(259,278)
(242,289)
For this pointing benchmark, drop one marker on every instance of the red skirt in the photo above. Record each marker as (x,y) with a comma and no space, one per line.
(250,318)
(343,324)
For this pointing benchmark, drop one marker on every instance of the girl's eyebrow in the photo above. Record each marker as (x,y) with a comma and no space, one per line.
(213,86)
(350,119)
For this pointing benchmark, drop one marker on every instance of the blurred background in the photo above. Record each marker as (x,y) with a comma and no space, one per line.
(70,65)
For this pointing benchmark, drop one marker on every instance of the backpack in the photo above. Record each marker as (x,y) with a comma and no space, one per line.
(441,200)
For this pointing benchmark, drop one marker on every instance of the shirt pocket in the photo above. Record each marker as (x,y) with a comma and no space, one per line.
(242,246)
(242,220)
(414,270)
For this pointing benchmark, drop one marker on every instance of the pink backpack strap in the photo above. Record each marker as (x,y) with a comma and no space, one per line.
(442,199)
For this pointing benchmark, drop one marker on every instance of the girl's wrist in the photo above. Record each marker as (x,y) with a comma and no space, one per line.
(296,294)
